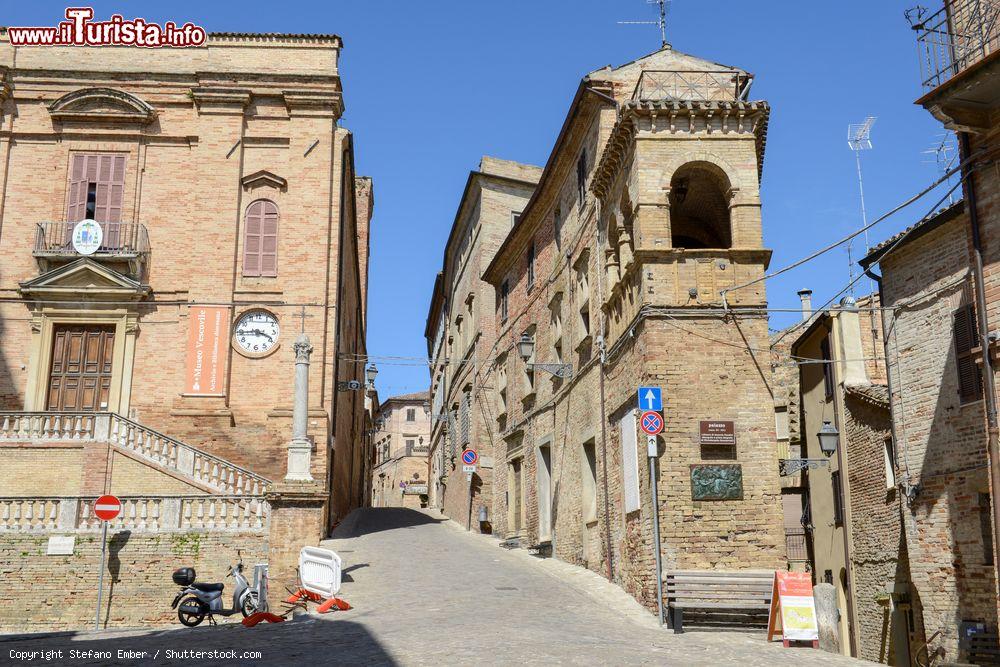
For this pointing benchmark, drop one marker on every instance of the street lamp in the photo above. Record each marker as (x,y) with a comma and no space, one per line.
(828,436)
(370,374)
(526,349)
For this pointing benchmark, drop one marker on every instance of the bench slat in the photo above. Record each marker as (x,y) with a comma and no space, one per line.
(741,581)
(713,595)
(717,605)
(753,574)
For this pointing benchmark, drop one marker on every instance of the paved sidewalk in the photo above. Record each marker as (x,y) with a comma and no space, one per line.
(426,592)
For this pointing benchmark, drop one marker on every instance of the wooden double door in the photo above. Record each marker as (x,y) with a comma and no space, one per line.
(80,375)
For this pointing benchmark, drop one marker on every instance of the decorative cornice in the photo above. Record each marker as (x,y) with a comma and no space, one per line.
(266,178)
(100,105)
(221,100)
(677,117)
(313,103)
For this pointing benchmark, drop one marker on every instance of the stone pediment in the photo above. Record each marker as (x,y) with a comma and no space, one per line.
(84,279)
(264,178)
(102,105)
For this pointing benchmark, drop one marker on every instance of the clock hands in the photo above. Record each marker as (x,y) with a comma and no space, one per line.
(255,331)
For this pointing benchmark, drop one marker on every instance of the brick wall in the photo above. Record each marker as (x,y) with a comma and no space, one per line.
(137,585)
(879,563)
(942,444)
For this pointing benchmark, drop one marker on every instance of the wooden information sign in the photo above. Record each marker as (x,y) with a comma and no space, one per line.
(793,609)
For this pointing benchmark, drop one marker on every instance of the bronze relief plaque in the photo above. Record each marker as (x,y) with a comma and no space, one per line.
(717,482)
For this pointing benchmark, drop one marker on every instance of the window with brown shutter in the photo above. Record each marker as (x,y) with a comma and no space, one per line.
(260,239)
(96,191)
(970,377)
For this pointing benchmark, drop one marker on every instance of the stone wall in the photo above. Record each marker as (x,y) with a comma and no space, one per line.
(42,592)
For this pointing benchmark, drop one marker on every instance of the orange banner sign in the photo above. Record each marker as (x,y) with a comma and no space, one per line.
(208,334)
(793,608)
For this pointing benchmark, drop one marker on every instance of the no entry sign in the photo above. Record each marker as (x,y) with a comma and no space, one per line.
(107,508)
(651,422)
(470,457)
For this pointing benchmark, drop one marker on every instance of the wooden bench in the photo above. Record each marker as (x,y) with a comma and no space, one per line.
(745,592)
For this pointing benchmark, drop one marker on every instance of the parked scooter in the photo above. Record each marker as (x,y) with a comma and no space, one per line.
(200,600)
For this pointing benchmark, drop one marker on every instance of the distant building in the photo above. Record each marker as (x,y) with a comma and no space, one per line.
(400,446)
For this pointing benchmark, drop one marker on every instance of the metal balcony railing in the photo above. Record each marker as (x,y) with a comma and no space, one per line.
(692,86)
(960,34)
(120,239)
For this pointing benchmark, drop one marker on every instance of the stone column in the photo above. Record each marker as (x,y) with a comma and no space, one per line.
(298,503)
(300,447)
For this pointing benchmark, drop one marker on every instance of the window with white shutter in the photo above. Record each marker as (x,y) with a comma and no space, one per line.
(630,460)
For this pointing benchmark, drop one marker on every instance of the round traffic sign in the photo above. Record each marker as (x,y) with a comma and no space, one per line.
(470,457)
(107,508)
(651,422)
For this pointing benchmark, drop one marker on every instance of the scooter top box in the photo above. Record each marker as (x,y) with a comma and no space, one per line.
(184,576)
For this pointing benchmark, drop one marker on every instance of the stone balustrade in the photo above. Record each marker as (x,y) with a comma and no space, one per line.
(143,514)
(211,471)
(47,425)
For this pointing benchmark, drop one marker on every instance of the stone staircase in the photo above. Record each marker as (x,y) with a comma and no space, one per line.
(191,463)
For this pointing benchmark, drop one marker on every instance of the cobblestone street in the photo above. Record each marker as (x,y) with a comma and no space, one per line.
(409,575)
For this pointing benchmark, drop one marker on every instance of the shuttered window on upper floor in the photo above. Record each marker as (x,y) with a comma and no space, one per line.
(96,187)
(260,239)
(966,334)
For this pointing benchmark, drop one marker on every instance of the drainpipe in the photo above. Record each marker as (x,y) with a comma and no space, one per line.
(602,350)
(989,390)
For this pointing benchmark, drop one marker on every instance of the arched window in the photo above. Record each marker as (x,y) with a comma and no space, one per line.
(260,239)
(699,207)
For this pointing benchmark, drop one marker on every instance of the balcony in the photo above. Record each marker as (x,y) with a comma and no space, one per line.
(693,86)
(122,242)
(959,35)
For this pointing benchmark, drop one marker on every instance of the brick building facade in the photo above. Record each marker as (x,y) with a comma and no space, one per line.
(852,511)
(400,447)
(460,334)
(939,279)
(647,208)
(219,216)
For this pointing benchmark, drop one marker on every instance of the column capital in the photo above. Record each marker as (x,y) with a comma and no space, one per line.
(302,348)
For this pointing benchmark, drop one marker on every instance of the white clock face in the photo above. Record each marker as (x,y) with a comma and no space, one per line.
(256,332)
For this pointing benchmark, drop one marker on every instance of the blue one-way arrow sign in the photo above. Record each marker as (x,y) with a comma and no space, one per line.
(650,398)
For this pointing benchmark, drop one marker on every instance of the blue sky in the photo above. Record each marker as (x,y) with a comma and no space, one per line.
(431,86)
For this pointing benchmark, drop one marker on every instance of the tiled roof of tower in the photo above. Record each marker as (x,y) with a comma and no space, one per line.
(279,35)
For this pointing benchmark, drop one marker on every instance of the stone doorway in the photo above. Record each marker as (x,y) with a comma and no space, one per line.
(80,372)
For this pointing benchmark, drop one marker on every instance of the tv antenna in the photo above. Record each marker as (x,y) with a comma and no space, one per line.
(661,22)
(859,139)
(945,154)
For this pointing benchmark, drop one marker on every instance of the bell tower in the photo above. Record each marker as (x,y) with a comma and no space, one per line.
(680,223)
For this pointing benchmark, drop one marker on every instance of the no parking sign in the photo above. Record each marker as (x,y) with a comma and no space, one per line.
(470,457)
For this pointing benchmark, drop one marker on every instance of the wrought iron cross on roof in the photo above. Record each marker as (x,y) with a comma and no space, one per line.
(302,317)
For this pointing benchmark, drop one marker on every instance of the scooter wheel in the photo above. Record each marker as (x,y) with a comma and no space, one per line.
(249,604)
(186,614)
